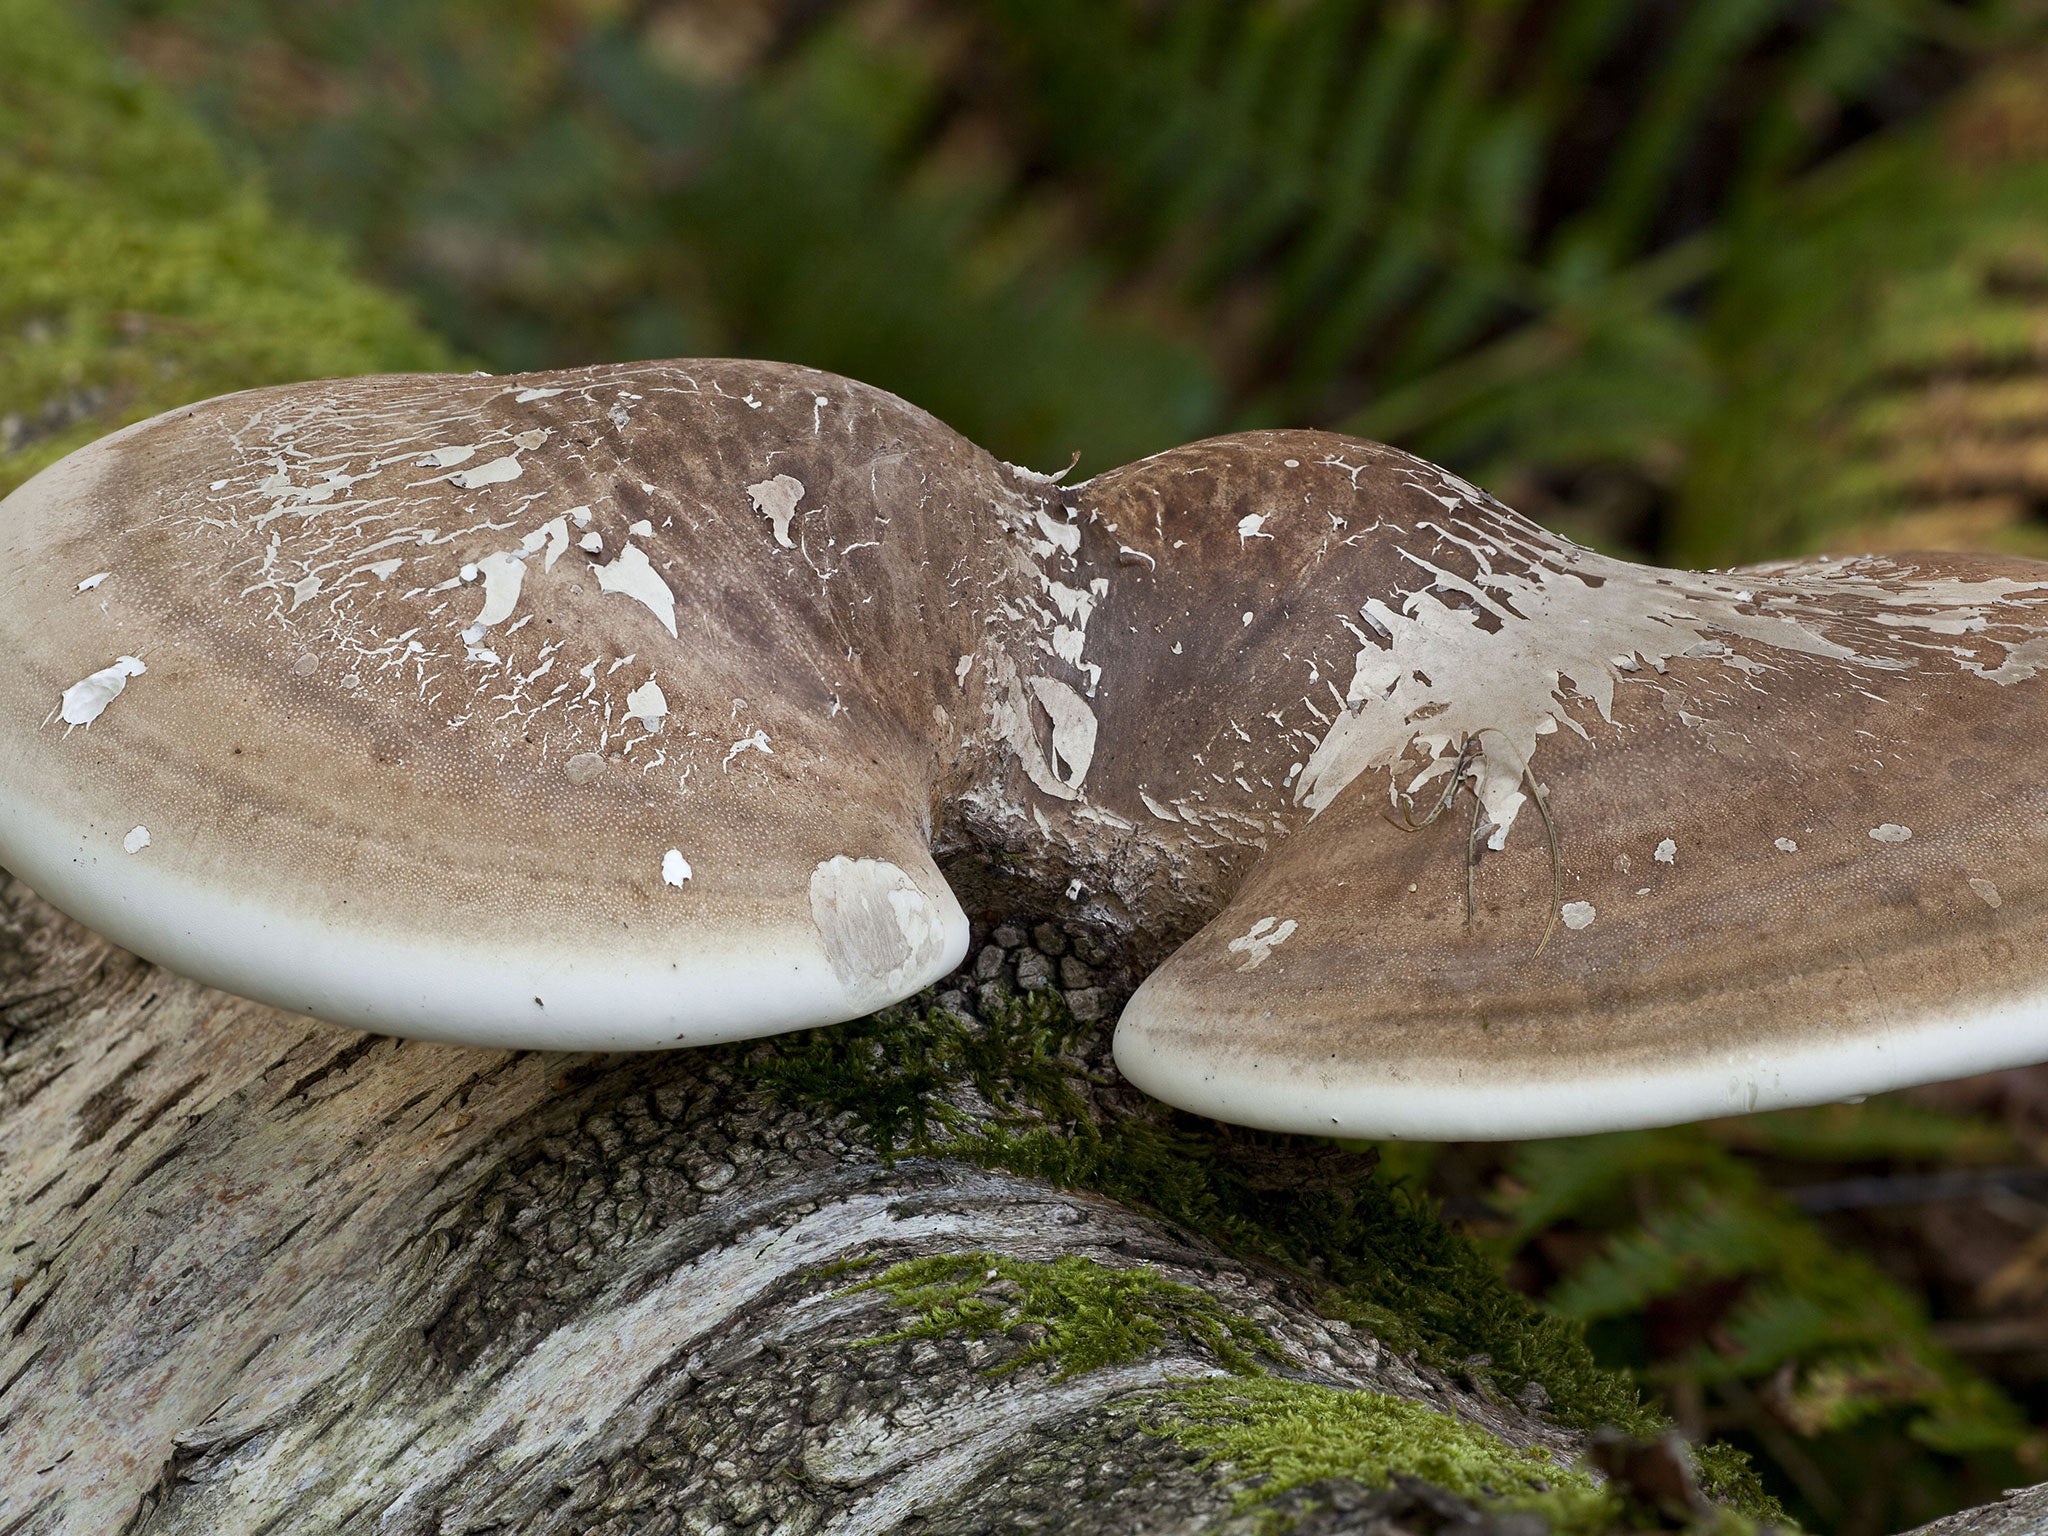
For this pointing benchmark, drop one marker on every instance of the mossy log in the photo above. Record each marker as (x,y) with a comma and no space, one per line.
(271,1275)
(935,1271)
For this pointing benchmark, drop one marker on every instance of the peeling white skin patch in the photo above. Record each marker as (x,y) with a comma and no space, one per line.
(675,869)
(633,575)
(1890,832)
(757,742)
(1577,915)
(554,534)
(93,580)
(1785,845)
(448,458)
(1257,946)
(138,839)
(2027,659)
(1541,628)
(1667,852)
(1987,893)
(648,705)
(497,472)
(85,700)
(776,500)
(503,575)
(1073,727)
(881,933)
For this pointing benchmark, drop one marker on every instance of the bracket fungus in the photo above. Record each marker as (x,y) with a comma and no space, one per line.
(644,705)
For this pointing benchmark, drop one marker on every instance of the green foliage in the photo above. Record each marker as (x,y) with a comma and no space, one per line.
(1084,1315)
(135,273)
(1494,231)
(1278,1435)
(1884,377)
(1844,1356)
(1887,1127)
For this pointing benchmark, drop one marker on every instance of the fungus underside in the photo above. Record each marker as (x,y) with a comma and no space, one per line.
(1022,1088)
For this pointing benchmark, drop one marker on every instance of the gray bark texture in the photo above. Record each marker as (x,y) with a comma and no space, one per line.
(274,1276)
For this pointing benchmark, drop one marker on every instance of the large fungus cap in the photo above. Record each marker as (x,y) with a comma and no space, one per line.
(635,706)
(502,711)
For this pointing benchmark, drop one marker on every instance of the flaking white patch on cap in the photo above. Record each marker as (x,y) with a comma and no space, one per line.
(1667,852)
(675,869)
(1577,915)
(880,933)
(776,500)
(1073,727)
(448,458)
(1785,845)
(633,575)
(138,839)
(85,700)
(648,705)
(503,576)
(1542,626)
(554,534)
(1987,893)
(1257,946)
(497,472)
(93,580)
(1890,832)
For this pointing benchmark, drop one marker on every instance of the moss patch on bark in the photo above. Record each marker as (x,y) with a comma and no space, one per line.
(1071,1313)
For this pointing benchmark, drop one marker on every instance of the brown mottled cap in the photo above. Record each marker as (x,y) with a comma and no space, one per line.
(643,705)
(1731,840)
(602,708)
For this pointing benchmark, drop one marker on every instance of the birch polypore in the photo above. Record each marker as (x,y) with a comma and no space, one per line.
(1440,824)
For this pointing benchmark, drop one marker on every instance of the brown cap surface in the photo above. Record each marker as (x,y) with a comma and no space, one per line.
(602,708)
(1798,812)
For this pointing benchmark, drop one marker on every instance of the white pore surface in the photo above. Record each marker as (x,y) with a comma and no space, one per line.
(1480,1103)
(757,982)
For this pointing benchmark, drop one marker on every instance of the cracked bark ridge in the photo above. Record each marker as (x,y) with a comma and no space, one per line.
(2022,1512)
(271,1275)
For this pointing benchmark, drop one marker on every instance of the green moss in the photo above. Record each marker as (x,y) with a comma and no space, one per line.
(135,272)
(1277,1435)
(1076,1314)
(1011,1093)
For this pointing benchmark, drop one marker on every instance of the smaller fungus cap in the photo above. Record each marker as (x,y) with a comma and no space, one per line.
(1591,845)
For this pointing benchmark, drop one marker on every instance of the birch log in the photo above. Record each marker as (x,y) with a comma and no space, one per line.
(274,1276)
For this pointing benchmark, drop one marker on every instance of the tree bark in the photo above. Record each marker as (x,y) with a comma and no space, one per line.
(275,1276)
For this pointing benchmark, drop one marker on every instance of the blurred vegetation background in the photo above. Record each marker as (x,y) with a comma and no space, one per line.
(1702,280)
